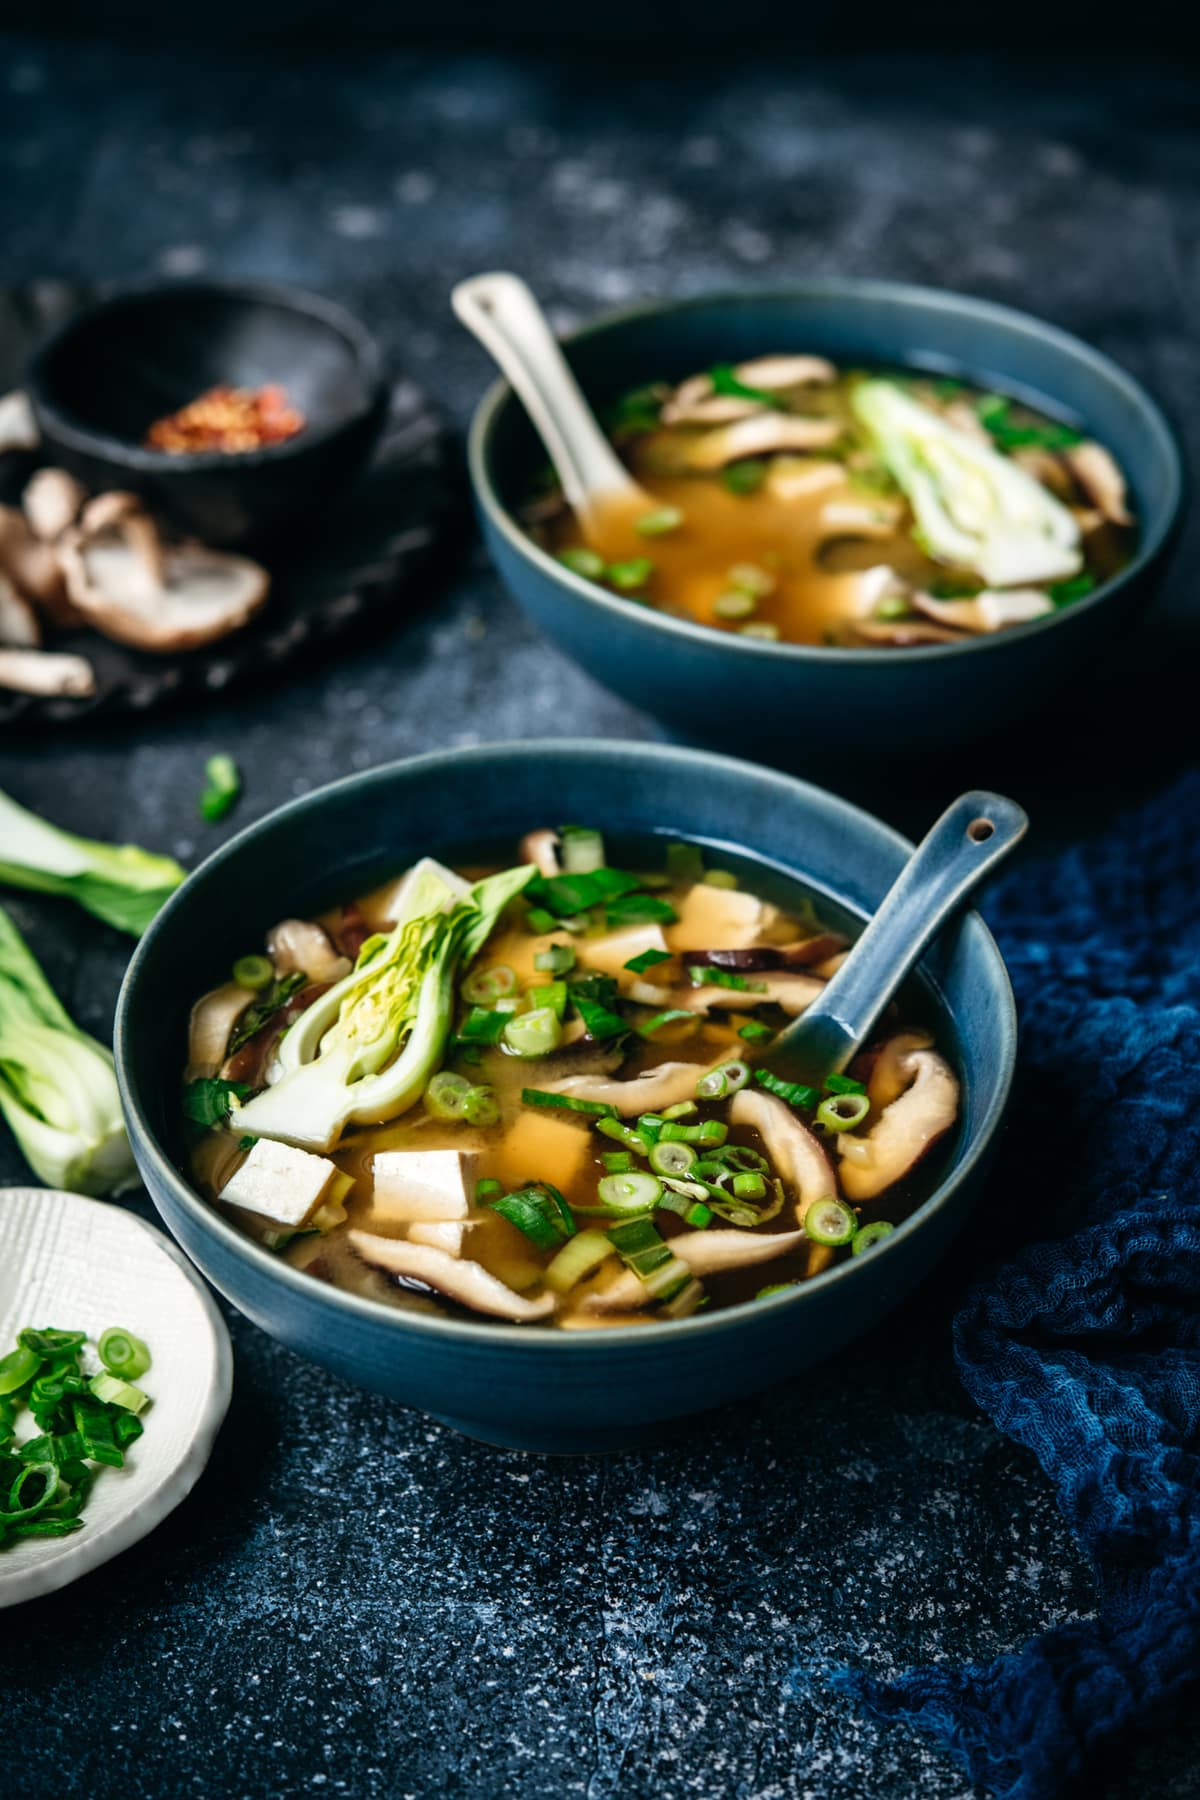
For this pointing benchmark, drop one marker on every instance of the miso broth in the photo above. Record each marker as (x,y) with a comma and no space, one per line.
(791,500)
(584,1046)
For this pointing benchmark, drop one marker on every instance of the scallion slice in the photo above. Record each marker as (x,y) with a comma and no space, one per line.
(540,1212)
(578,1259)
(727,1078)
(635,1192)
(123,1354)
(581,849)
(253,972)
(843,1112)
(682,1109)
(624,1134)
(534,1033)
(794,1092)
(829,1221)
(749,1187)
(446,1096)
(658,523)
(596,1109)
(559,959)
(755,1032)
(582,561)
(672,1158)
(115,1392)
(647,959)
(483,987)
(631,574)
(843,1084)
(703,975)
(870,1234)
(481,1107)
(618,1162)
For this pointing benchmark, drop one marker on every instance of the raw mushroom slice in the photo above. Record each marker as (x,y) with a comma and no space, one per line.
(19,627)
(469,1283)
(135,587)
(761,435)
(666,1085)
(1097,473)
(541,849)
(771,988)
(994,609)
(906,1129)
(47,673)
(53,501)
(33,567)
(705,1253)
(297,945)
(795,1155)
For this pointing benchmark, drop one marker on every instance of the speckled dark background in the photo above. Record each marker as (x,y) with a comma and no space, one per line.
(353,1600)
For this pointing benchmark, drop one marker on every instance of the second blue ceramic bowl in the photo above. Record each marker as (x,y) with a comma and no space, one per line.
(731,690)
(530,1388)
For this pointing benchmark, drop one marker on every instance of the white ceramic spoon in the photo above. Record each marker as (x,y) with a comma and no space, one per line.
(82,1265)
(510,324)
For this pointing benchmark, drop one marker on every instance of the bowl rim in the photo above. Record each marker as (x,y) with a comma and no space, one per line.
(945,300)
(91,441)
(263,1265)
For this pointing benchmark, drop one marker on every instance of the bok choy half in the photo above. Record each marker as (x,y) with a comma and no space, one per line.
(365,1050)
(975,509)
(58,1089)
(120,883)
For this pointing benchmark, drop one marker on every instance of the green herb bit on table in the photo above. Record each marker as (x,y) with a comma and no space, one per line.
(79,1421)
(222,786)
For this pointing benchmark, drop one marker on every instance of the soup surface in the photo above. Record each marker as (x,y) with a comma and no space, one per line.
(787,499)
(545,1094)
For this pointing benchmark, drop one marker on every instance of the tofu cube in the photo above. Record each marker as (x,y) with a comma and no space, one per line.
(280,1182)
(424,1185)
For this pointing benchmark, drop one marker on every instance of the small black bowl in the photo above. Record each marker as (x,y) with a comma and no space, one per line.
(103,378)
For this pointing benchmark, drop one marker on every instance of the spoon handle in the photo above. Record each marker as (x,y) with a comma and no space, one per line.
(509,323)
(973,835)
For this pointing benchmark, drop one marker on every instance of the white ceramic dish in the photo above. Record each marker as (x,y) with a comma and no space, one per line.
(83,1265)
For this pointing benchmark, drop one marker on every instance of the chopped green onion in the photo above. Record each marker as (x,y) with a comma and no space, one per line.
(672,1015)
(582,561)
(618,1162)
(559,959)
(794,1092)
(692,1212)
(222,785)
(624,1134)
(686,1300)
(581,849)
(749,1187)
(483,987)
(446,1096)
(658,523)
(253,972)
(540,1212)
(599,1109)
(540,921)
(829,1221)
(553,995)
(486,1190)
(776,1287)
(631,574)
(578,1259)
(712,1131)
(742,1158)
(480,1107)
(682,1109)
(748,578)
(701,975)
(744,477)
(640,909)
(635,1192)
(721,878)
(843,1084)
(755,1032)
(870,1234)
(534,1033)
(647,959)
(209,1100)
(123,1354)
(1062,593)
(727,1078)
(760,628)
(17,1368)
(600,1022)
(735,605)
(115,1392)
(482,1025)
(843,1112)
(672,1158)
(724,381)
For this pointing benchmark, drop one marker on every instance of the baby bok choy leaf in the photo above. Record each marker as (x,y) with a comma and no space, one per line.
(58,1090)
(120,883)
(365,1050)
(975,509)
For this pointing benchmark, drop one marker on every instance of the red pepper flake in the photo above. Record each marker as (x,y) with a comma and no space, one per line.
(228,420)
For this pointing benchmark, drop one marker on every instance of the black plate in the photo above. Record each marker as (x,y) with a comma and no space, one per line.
(359,563)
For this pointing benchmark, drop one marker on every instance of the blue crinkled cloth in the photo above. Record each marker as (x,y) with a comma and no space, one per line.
(1085,1346)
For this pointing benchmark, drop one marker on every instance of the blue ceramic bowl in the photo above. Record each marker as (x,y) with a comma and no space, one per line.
(533,1389)
(709,684)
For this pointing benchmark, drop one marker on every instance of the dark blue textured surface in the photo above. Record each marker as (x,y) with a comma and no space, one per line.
(1085,1346)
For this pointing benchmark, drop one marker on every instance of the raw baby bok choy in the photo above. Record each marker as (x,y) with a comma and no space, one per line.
(58,1090)
(975,509)
(365,1050)
(120,883)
